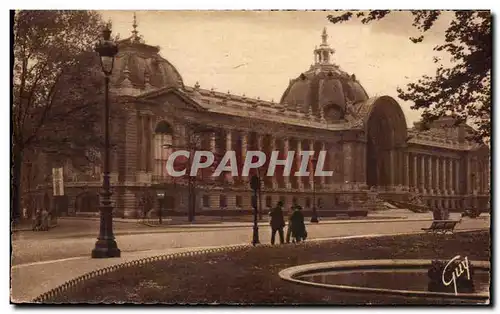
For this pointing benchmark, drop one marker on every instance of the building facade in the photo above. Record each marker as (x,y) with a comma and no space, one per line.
(369,147)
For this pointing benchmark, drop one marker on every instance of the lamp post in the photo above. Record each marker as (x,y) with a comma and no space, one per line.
(314,216)
(260,192)
(161,201)
(106,245)
(255,185)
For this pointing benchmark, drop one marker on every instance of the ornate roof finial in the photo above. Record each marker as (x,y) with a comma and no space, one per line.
(322,54)
(134,25)
(197,85)
(135,33)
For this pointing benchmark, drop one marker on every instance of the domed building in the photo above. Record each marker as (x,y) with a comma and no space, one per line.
(371,152)
(324,90)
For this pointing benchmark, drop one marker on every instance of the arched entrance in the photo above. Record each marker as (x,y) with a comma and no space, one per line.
(386,136)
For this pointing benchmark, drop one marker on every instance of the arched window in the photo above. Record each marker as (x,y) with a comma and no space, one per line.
(239,201)
(222,201)
(163,147)
(206,201)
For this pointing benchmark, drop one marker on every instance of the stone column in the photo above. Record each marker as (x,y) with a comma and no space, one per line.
(274,181)
(263,171)
(311,166)
(449,176)
(213,149)
(456,166)
(437,174)
(399,173)
(286,148)
(429,173)
(347,152)
(422,173)
(244,149)
(468,178)
(477,177)
(414,173)
(229,147)
(150,144)
(322,179)
(297,163)
(141,143)
(406,166)
(444,176)
(273,144)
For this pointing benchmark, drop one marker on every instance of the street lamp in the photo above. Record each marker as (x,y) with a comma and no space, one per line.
(314,217)
(261,177)
(161,201)
(106,244)
(255,185)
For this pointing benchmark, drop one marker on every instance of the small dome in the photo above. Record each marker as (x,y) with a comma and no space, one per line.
(324,86)
(140,65)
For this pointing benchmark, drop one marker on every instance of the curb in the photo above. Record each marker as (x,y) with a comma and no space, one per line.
(30,229)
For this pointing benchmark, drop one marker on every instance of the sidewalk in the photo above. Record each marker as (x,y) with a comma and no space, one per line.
(78,227)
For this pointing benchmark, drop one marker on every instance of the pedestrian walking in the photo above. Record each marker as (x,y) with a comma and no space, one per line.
(298,227)
(289,227)
(277,222)
(37,220)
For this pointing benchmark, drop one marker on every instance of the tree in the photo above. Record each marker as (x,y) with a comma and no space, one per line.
(57,87)
(461,89)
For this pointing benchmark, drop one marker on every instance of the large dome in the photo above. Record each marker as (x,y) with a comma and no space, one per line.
(324,88)
(140,66)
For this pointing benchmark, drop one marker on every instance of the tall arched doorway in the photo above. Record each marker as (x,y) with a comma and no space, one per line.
(386,136)
(163,147)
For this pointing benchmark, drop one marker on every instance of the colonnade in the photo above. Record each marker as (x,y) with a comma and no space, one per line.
(443,175)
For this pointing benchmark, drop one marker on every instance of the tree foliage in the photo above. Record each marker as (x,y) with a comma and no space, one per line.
(57,87)
(462,88)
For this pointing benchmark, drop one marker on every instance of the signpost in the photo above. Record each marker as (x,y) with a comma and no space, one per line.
(58,191)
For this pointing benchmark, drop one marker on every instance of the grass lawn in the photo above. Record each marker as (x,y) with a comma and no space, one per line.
(250,276)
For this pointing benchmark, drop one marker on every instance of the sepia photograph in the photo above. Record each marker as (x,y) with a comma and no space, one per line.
(251,157)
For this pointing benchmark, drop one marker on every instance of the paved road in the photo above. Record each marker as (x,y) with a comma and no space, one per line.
(42,264)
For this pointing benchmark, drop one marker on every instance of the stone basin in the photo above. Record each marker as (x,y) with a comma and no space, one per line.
(392,277)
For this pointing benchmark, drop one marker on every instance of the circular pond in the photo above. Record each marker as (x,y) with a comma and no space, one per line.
(394,277)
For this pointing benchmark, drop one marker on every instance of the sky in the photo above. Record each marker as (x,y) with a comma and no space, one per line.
(256,53)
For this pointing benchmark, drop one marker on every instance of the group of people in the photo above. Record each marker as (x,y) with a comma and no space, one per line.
(41,220)
(296,227)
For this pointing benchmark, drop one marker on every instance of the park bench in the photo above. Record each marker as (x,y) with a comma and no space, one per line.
(442,226)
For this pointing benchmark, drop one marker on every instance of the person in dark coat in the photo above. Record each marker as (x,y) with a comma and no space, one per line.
(289,228)
(277,222)
(299,232)
(37,220)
